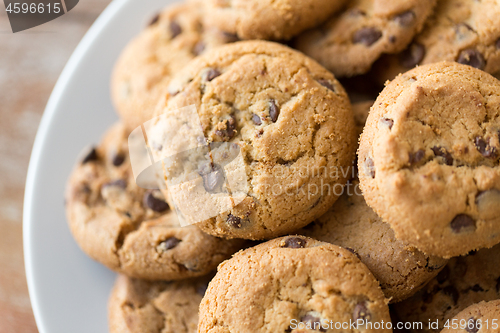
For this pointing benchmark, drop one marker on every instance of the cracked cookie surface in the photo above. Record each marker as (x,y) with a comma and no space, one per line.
(132,230)
(401,269)
(481,317)
(465,31)
(292,121)
(174,37)
(138,306)
(269,19)
(349,43)
(288,280)
(429,158)
(462,283)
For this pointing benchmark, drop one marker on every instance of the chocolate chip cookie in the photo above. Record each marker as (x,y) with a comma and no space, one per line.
(463,282)
(139,306)
(290,284)
(132,230)
(292,122)
(271,20)
(481,317)
(350,223)
(465,31)
(429,158)
(172,39)
(348,44)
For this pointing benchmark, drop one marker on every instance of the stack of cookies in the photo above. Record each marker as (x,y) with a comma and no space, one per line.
(367,209)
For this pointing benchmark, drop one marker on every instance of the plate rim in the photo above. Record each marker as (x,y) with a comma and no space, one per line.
(69,69)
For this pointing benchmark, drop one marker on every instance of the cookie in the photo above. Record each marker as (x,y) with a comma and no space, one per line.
(132,230)
(465,31)
(429,158)
(172,39)
(348,44)
(139,306)
(350,223)
(292,284)
(482,317)
(462,283)
(271,20)
(292,122)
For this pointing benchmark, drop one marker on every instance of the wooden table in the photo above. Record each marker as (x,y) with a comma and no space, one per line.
(30,63)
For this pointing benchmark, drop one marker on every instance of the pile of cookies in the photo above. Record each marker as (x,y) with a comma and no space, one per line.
(369,208)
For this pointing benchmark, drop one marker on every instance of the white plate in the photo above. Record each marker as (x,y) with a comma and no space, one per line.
(68,290)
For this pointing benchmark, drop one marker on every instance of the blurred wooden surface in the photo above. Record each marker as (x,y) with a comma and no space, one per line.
(30,63)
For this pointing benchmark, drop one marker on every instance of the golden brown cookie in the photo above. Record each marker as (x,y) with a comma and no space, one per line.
(465,31)
(482,317)
(138,306)
(349,43)
(462,283)
(173,38)
(292,284)
(429,158)
(267,19)
(292,122)
(132,230)
(401,269)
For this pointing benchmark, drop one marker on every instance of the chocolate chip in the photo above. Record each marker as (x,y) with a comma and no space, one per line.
(369,167)
(387,122)
(472,57)
(366,36)
(462,221)
(452,292)
(472,326)
(417,156)
(444,275)
(91,156)
(118,160)
(488,204)
(234,221)
(498,285)
(168,244)
(361,312)
(353,252)
(295,243)
(117,183)
(154,20)
(356,12)
(327,84)
(476,288)
(227,129)
(442,152)
(213,178)
(229,37)
(484,148)
(175,29)
(405,19)
(256,120)
(211,74)
(274,110)
(313,321)
(154,203)
(199,48)
(412,56)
